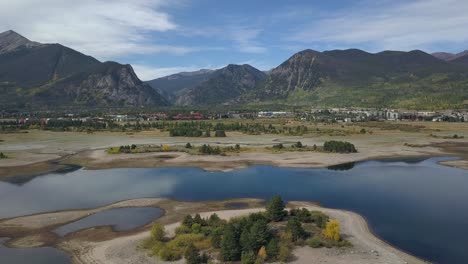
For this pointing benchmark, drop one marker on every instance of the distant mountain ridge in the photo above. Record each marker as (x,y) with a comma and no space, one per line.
(171,86)
(35,75)
(352,77)
(223,86)
(51,75)
(446,56)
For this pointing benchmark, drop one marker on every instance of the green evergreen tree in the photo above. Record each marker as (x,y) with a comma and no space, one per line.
(192,255)
(230,248)
(275,209)
(259,235)
(248,257)
(272,249)
(296,229)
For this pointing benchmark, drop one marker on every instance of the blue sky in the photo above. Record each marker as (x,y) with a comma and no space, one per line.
(160,37)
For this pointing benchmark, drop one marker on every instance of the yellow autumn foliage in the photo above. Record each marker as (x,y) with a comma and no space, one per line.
(166,148)
(332,230)
(262,253)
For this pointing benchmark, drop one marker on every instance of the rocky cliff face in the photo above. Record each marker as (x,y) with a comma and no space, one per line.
(51,75)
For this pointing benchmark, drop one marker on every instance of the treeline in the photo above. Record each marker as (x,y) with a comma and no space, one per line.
(268,236)
(339,147)
(209,150)
(59,125)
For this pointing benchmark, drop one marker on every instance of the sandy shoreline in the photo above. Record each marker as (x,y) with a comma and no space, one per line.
(38,152)
(367,248)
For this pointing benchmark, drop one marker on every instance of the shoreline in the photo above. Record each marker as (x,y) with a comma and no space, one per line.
(367,247)
(93,245)
(98,159)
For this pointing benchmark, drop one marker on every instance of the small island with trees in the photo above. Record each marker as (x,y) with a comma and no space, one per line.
(260,237)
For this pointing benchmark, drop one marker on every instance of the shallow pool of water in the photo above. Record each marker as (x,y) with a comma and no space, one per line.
(417,206)
(120,219)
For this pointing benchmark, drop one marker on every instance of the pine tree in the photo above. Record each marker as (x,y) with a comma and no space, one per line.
(230,248)
(192,255)
(272,249)
(275,209)
(296,229)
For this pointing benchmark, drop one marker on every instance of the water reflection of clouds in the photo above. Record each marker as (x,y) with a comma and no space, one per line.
(82,189)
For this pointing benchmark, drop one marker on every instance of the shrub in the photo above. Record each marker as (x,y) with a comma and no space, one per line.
(157,232)
(285,252)
(248,257)
(188,145)
(297,145)
(320,219)
(278,146)
(296,229)
(166,148)
(3,156)
(332,230)
(303,215)
(220,133)
(262,254)
(315,242)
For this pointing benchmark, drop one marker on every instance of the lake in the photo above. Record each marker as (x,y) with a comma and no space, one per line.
(43,255)
(416,205)
(120,219)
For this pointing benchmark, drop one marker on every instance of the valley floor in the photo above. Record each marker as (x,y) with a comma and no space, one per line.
(44,151)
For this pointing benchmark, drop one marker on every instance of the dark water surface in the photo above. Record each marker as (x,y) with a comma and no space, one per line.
(121,219)
(418,206)
(44,255)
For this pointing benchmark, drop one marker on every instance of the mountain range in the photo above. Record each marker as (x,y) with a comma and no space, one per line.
(35,75)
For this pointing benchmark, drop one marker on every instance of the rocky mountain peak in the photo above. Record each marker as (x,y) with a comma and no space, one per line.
(10,41)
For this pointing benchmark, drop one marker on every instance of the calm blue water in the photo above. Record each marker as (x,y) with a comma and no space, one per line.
(418,206)
(44,255)
(121,219)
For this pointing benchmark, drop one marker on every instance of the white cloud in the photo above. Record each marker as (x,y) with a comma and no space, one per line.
(100,28)
(245,38)
(403,25)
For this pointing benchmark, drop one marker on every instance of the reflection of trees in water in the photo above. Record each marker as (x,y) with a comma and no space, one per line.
(342,167)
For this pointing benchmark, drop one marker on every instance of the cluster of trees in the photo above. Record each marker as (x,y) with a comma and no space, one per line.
(209,150)
(339,147)
(256,238)
(185,132)
(127,148)
(188,132)
(247,128)
(278,146)
(3,156)
(59,125)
